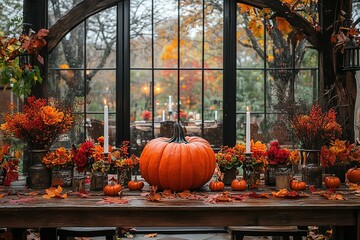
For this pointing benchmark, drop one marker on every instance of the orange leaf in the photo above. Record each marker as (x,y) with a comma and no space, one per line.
(151,235)
(113,200)
(54,193)
(283,25)
(153,196)
(168,194)
(184,194)
(2,195)
(335,196)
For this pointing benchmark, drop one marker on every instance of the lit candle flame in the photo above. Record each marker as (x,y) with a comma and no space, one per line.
(104,101)
(247,108)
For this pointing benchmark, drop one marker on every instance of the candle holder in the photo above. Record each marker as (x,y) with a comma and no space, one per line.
(250,175)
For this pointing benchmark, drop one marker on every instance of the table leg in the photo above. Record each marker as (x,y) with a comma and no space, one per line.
(357,230)
(48,233)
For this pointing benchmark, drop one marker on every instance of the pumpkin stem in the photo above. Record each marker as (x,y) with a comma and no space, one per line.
(178,135)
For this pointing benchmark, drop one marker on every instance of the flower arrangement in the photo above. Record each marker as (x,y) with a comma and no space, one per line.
(316,129)
(83,156)
(9,163)
(121,157)
(40,123)
(227,158)
(21,75)
(337,154)
(146,115)
(277,155)
(58,159)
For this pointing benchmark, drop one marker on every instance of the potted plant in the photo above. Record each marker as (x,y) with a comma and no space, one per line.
(60,163)
(314,130)
(280,160)
(39,125)
(228,160)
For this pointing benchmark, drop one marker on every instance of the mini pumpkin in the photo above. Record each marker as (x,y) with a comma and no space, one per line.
(353,175)
(179,163)
(238,185)
(216,186)
(297,185)
(134,185)
(112,189)
(332,182)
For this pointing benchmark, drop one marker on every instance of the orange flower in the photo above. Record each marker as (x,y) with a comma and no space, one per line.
(51,115)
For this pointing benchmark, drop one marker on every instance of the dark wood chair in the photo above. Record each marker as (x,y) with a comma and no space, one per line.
(70,232)
(239,232)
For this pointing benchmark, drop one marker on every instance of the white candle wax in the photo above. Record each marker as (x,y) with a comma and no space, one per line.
(216,114)
(163,115)
(247,130)
(170,104)
(106,128)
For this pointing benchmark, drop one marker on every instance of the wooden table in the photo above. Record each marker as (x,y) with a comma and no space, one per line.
(82,212)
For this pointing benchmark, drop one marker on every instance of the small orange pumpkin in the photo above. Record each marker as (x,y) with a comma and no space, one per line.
(216,186)
(134,185)
(297,185)
(353,175)
(238,185)
(332,182)
(112,189)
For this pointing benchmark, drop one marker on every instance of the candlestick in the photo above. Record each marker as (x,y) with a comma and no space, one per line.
(247,130)
(170,104)
(106,128)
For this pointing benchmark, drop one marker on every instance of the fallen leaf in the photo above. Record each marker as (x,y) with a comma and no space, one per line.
(1,195)
(223,197)
(22,200)
(151,235)
(184,194)
(54,193)
(353,186)
(258,195)
(284,193)
(113,200)
(168,194)
(335,196)
(153,195)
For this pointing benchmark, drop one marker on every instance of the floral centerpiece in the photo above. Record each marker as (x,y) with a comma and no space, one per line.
(83,156)
(40,123)
(316,129)
(258,158)
(228,158)
(60,163)
(280,161)
(277,155)
(146,115)
(9,165)
(58,159)
(337,154)
(18,73)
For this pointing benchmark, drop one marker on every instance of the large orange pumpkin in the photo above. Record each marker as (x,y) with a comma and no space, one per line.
(353,175)
(179,163)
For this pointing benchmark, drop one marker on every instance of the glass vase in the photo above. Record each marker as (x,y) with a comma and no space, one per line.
(229,175)
(270,174)
(311,169)
(98,180)
(124,175)
(61,177)
(39,174)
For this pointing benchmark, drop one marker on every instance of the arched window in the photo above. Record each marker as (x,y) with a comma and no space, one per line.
(157,61)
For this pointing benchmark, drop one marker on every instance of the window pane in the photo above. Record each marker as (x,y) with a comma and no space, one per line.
(247,42)
(140,32)
(140,92)
(214,34)
(69,53)
(306,85)
(213,95)
(101,87)
(101,39)
(310,58)
(167,80)
(67,85)
(166,37)
(250,90)
(191,34)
